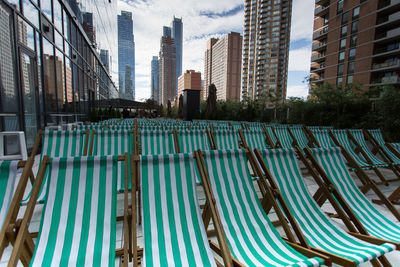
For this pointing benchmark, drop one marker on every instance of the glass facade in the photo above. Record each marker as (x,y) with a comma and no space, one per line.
(177,35)
(49,61)
(155,93)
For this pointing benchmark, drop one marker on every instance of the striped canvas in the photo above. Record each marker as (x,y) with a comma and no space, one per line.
(8,174)
(317,227)
(323,138)
(252,238)
(377,135)
(115,143)
(255,139)
(173,231)
(192,140)
(271,134)
(345,142)
(283,136)
(396,146)
(156,142)
(300,136)
(226,139)
(78,225)
(359,137)
(375,222)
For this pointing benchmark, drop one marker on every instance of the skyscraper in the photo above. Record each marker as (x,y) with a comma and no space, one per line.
(222,66)
(177,34)
(155,94)
(167,69)
(356,42)
(266,39)
(126,56)
(105,59)
(166,31)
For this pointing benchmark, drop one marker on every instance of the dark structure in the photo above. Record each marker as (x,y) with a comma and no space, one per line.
(191,103)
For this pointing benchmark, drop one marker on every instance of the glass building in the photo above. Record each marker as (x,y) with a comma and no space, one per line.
(49,61)
(155,93)
(177,35)
(126,56)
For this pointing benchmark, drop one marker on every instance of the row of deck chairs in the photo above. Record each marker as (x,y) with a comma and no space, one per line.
(175,230)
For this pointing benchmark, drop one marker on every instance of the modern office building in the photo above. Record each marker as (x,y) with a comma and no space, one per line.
(190,79)
(356,42)
(266,38)
(222,66)
(155,94)
(48,65)
(177,35)
(126,56)
(167,69)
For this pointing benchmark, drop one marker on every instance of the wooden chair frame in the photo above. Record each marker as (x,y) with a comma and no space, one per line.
(268,138)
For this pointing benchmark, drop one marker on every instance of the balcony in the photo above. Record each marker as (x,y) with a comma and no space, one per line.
(317,57)
(386,53)
(388,6)
(321,11)
(387,80)
(322,2)
(320,33)
(388,36)
(318,46)
(386,66)
(389,21)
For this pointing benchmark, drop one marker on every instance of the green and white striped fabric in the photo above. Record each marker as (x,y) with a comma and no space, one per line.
(345,142)
(271,134)
(377,135)
(226,139)
(115,143)
(193,140)
(157,142)
(78,225)
(300,136)
(8,174)
(376,223)
(317,227)
(252,238)
(173,231)
(57,144)
(323,138)
(283,136)
(359,136)
(255,139)
(396,146)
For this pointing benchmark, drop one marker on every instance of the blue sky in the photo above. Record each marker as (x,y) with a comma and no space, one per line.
(206,19)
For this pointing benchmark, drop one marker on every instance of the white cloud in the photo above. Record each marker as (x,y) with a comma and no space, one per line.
(302,19)
(298,90)
(300,59)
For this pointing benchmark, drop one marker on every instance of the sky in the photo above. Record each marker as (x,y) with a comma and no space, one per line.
(207,19)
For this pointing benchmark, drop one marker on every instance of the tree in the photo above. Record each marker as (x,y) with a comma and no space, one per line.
(169,109)
(180,109)
(211,101)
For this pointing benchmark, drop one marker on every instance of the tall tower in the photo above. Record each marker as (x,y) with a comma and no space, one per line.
(177,35)
(126,56)
(154,80)
(266,38)
(167,69)
(207,66)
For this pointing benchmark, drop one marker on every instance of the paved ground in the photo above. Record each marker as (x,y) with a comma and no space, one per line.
(393,257)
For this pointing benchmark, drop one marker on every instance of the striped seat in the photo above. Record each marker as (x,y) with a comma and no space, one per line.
(377,135)
(255,139)
(271,135)
(323,138)
(375,223)
(396,146)
(317,227)
(359,137)
(156,142)
(226,139)
(173,232)
(78,225)
(8,174)
(284,137)
(193,140)
(299,136)
(115,143)
(252,238)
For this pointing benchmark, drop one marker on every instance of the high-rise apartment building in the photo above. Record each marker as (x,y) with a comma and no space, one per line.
(356,41)
(222,66)
(177,35)
(190,79)
(126,56)
(266,38)
(167,69)
(155,95)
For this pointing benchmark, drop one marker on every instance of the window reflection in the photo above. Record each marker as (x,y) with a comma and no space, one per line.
(68,85)
(31,13)
(57,15)
(49,76)
(60,76)
(45,6)
(26,34)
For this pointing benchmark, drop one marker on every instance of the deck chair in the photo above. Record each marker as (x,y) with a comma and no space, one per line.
(284,139)
(78,223)
(270,136)
(253,139)
(109,142)
(252,238)
(380,145)
(225,139)
(321,138)
(173,231)
(8,176)
(190,141)
(332,168)
(299,137)
(354,153)
(281,169)
(157,142)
